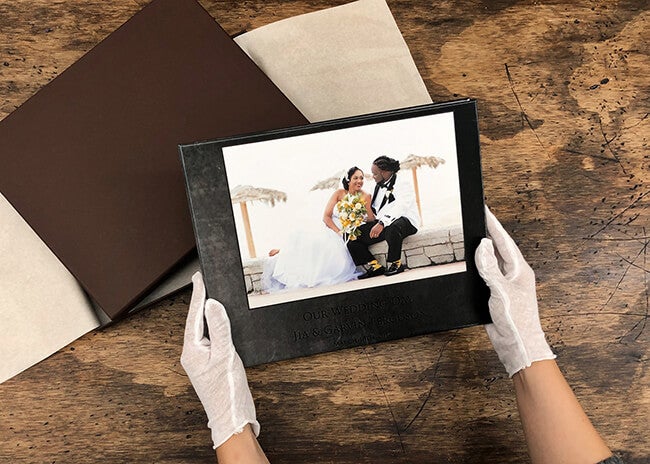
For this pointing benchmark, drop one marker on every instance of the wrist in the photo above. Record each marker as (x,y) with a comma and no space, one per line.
(241,447)
(222,435)
(534,372)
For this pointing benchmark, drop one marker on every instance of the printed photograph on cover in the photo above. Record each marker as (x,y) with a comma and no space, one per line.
(347,209)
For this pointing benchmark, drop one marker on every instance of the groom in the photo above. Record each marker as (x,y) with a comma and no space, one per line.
(396,215)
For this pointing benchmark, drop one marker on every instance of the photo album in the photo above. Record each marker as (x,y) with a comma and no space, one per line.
(342,233)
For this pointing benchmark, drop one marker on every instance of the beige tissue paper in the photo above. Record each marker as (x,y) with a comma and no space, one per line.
(343,61)
(42,307)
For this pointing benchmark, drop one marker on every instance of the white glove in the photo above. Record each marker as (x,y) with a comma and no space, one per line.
(215,369)
(516,333)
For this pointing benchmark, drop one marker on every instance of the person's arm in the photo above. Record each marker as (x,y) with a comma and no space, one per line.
(219,379)
(555,426)
(329,208)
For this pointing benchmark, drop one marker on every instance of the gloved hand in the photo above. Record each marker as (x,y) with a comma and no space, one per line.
(516,333)
(215,369)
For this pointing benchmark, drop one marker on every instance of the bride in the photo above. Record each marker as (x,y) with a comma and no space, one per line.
(320,256)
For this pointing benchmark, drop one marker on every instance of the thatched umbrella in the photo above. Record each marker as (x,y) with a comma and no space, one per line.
(413,162)
(243,194)
(333,181)
(330,183)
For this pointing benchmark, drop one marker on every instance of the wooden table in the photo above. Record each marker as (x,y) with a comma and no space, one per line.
(563,90)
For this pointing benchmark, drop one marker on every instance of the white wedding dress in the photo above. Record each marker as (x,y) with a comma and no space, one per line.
(313,257)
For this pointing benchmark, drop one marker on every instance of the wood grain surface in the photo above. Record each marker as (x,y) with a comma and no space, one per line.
(563,90)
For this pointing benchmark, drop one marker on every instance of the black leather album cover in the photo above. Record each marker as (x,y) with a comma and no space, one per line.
(342,233)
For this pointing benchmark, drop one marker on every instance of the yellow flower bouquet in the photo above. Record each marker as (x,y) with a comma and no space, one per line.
(352,214)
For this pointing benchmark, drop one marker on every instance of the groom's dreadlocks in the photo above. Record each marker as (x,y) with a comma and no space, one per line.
(386,164)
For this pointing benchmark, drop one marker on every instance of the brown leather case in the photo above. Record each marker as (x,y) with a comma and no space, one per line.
(91,161)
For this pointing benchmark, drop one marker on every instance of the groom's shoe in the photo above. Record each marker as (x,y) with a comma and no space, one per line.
(373,272)
(394,268)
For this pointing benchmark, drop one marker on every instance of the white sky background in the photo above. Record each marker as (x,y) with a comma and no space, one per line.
(293,165)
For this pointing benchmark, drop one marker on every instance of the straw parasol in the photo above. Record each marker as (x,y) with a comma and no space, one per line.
(330,183)
(243,194)
(333,181)
(414,162)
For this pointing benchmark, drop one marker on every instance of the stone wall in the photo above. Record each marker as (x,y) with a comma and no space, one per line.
(427,247)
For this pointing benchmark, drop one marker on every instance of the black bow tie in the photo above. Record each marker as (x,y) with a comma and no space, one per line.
(388,184)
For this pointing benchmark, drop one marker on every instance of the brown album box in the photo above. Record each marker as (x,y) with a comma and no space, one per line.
(91,161)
